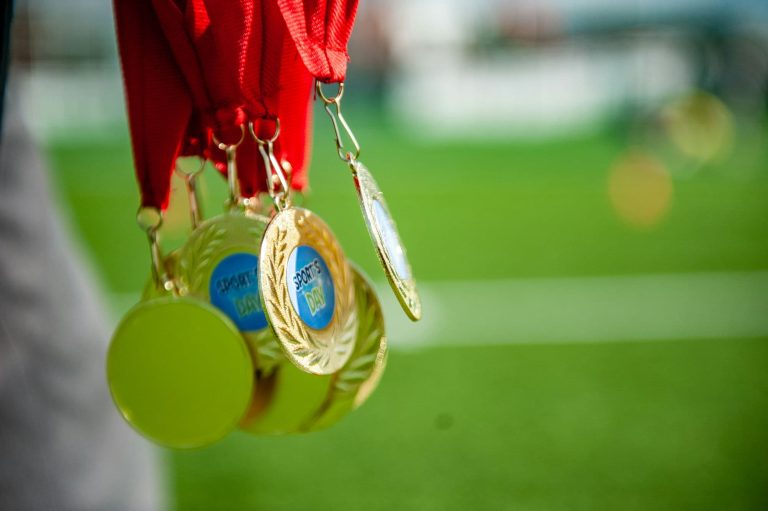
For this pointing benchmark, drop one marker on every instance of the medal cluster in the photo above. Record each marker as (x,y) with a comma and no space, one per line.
(258,322)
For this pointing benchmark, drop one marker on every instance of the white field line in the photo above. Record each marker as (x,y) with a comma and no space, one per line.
(578,309)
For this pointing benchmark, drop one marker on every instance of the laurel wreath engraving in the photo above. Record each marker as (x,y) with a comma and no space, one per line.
(210,243)
(201,249)
(315,351)
(359,376)
(369,385)
(370,333)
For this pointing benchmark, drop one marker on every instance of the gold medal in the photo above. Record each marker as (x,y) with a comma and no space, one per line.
(305,281)
(387,241)
(352,385)
(378,219)
(219,264)
(178,369)
(308,291)
(179,372)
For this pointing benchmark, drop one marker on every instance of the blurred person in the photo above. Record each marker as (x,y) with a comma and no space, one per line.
(62,445)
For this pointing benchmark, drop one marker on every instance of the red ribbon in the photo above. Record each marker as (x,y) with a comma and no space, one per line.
(195,68)
(159,107)
(321,30)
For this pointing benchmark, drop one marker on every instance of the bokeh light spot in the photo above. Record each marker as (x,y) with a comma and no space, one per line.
(700,126)
(640,189)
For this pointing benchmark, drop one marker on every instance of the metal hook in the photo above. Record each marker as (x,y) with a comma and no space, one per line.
(231,151)
(346,156)
(271,139)
(221,145)
(150,219)
(190,180)
(266,149)
(326,99)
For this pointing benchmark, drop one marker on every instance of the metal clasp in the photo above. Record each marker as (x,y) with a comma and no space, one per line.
(281,197)
(190,181)
(337,118)
(150,219)
(231,151)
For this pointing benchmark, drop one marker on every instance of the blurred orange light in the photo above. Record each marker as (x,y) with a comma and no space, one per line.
(640,189)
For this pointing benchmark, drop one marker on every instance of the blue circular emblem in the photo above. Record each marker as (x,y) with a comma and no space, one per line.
(234,288)
(310,287)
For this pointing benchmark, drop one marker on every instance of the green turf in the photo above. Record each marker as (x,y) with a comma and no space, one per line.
(664,425)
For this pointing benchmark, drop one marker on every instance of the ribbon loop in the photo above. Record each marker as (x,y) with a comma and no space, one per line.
(321,30)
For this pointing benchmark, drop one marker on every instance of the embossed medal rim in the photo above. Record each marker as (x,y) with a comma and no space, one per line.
(404,289)
(315,351)
(359,393)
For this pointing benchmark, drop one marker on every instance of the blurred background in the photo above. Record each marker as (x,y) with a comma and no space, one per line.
(582,186)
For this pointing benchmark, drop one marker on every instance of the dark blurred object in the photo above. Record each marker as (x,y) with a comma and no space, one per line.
(5,39)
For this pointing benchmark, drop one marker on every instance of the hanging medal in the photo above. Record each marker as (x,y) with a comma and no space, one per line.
(287,397)
(319,45)
(178,369)
(272,82)
(378,219)
(219,264)
(306,281)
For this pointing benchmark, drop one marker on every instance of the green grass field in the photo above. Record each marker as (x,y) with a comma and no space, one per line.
(661,425)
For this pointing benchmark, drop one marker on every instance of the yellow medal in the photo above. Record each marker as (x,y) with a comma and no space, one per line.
(386,239)
(219,264)
(305,280)
(378,219)
(178,369)
(179,372)
(308,291)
